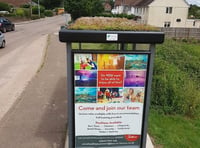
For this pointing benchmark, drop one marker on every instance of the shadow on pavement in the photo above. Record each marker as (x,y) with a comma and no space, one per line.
(52,126)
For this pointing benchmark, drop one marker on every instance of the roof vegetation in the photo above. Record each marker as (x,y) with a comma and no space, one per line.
(107,23)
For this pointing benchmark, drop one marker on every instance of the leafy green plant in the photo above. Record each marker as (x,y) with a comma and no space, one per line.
(27,12)
(20,12)
(35,9)
(4,7)
(48,13)
(194,12)
(176,80)
(79,8)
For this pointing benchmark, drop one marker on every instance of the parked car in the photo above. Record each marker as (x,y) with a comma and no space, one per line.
(2,40)
(6,25)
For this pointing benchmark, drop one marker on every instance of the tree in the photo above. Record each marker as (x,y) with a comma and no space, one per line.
(112,3)
(35,9)
(79,8)
(194,12)
(51,4)
(4,7)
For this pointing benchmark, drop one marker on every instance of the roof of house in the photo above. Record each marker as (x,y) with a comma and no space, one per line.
(136,3)
(144,2)
(16,2)
(132,2)
(125,2)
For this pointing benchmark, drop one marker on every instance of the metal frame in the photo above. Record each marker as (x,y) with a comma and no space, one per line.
(70,36)
(91,36)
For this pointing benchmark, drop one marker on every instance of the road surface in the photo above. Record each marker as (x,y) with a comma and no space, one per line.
(21,58)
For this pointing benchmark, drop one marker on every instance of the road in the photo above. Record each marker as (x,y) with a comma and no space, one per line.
(28,32)
(21,58)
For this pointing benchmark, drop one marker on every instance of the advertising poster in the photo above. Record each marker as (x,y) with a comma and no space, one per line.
(109,95)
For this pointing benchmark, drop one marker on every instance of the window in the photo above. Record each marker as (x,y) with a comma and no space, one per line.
(167,24)
(137,10)
(178,20)
(194,23)
(169,10)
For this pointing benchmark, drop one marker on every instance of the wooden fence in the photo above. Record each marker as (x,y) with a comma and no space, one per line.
(182,32)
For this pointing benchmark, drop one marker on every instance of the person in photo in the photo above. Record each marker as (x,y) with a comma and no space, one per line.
(83,64)
(139,97)
(92,64)
(129,96)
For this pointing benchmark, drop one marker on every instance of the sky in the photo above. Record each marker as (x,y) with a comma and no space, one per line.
(194,2)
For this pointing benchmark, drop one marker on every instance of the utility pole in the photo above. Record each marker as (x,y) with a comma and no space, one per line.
(31,7)
(39,8)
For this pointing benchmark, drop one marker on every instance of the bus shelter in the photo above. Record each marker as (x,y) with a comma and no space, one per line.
(109,89)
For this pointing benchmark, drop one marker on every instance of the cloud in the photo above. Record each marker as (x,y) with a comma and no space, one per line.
(194,2)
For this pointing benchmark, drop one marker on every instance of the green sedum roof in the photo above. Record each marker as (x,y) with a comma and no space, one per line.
(111,24)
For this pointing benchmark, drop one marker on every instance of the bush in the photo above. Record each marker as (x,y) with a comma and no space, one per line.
(48,13)
(27,12)
(20,12)
(10,15)
(130,16)
(184,40)
(35,9)
(4,7)
(176,83)
(35,17)
(173,91)
(78,8)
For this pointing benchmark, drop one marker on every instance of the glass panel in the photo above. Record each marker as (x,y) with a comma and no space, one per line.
(95,46)
(144,47)
(110,46)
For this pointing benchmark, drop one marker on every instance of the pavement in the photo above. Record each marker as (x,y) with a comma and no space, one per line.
(38,118)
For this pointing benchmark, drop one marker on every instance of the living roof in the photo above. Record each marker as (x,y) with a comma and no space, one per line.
(112,24)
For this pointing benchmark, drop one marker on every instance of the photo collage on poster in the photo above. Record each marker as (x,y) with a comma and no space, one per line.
(110,78)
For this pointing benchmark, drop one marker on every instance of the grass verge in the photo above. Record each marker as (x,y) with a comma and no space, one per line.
(44,54)
(174,131)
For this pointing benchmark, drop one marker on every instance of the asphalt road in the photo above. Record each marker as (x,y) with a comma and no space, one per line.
(28,32)
(23,54)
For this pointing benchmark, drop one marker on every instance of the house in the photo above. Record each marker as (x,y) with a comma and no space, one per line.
(61,11)
(193,23)
(16,3)
(107,6)
(163,13)
(160,13)
(124,6)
